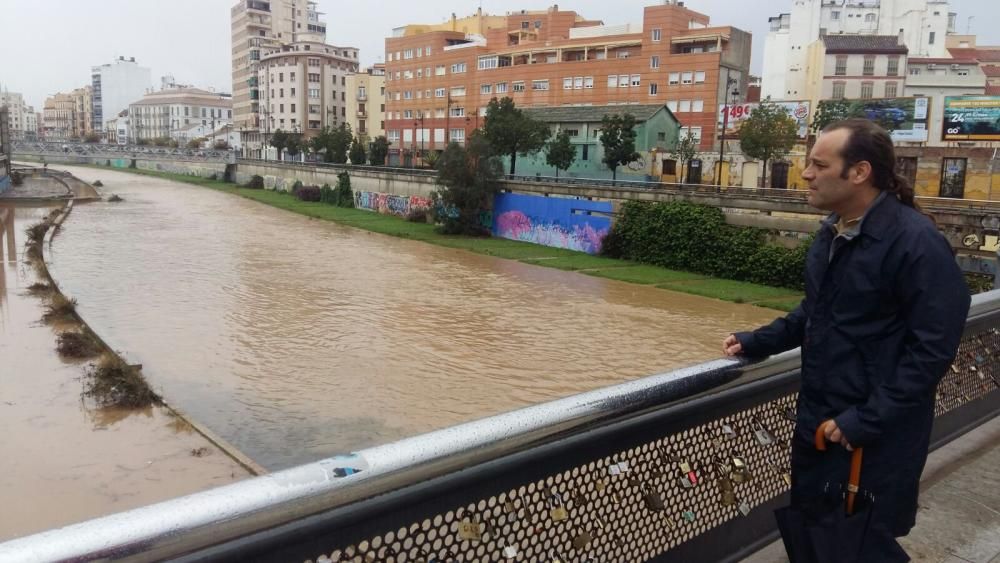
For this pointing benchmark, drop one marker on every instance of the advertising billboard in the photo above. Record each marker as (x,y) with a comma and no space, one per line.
(971,118)
(738,113)
(905,118)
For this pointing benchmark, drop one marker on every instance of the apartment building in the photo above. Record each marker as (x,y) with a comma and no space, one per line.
(923,24)
(855,67)
(303,87)
(268,36)
(439,79)
(114,87)
(68,116)
(366,101)
(21,120)
(165,114)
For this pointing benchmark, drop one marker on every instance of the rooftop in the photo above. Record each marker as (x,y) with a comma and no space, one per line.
(863,44)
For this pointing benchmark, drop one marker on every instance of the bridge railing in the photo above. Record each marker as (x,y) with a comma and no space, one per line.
(685,465)
(112,151)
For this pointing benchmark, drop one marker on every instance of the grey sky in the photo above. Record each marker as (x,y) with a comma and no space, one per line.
(50,45)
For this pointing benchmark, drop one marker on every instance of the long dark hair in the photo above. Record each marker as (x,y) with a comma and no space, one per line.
(870,142)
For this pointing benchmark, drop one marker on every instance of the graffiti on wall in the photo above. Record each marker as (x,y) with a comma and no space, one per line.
(558,222)
(390,204)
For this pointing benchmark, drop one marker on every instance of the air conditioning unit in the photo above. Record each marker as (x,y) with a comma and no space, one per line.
(931,66)
(954,67)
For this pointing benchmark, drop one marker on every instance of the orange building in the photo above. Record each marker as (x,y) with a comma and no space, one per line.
(439,78)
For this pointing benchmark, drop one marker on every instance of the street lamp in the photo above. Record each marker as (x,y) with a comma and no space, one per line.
(725,124)
(420,119)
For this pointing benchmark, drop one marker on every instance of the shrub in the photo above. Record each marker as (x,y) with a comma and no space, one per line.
(113,383)
(308,193)
(296,186)
(194,144)
(92,138)
(220,145)
(696,238)
(326,195)
(256,182)
(417,215)
(344,195)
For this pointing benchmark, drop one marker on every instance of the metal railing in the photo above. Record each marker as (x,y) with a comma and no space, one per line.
(685,465)
(112,151)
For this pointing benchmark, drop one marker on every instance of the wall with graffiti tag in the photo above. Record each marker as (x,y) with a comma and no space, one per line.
(575,224)
(390,204)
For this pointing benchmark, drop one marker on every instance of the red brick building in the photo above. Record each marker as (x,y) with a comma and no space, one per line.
(440,78)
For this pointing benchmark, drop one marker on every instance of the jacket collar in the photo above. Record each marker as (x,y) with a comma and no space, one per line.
(878,218)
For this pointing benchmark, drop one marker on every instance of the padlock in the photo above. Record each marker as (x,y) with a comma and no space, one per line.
(470,530)
(740,473)
(744,508)
(653,499)
(688,515)
(728,432)
(582,540)
(763,435)
(557,511)
(510,551)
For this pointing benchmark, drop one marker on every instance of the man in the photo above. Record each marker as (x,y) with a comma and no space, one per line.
(881,321)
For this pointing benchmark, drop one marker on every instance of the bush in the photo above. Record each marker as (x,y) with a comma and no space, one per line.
(92,138)
(344,195)
(194,144)
(256,182)
(308,193)
(417,215)
(296,187)
(326,195)
(220,145)
(695,238)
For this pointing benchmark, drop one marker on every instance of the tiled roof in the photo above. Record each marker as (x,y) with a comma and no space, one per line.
(592,114)
(992,90)
(863,44)
(990,55)
(941,61)
(992,71)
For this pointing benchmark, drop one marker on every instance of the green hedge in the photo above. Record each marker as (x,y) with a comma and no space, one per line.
(686,236)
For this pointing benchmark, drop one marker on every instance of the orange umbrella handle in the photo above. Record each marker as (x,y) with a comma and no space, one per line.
(855,480)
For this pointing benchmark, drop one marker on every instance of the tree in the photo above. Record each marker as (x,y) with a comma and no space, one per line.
(769,133)
(295,145)
(560,152)
(279,140)
(194,144)
(358,151)
(469,179)
(510,132)
(618,140)
(380,150)
(684,151)
(92,138)
(340,143)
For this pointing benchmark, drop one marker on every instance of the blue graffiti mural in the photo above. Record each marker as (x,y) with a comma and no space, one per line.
(549,221)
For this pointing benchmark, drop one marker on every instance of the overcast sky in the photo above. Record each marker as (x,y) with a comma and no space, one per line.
(48,46)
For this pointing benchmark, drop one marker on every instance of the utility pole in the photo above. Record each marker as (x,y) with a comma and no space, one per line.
(725,125)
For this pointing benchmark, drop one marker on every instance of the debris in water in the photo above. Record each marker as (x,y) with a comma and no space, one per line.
(115,198)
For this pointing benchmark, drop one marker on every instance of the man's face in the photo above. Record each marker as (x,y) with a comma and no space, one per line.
(828,190)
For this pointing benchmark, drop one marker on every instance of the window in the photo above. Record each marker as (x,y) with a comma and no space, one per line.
(572,132)
(439,92)
(310,62)
(501,87)
(314,92)
(525,25)
(293,108)
(458,67)
(654,61)
(684,106)
(578,83)
(588,81)
(672,105)
(457,112)
(613,81)
(584,152)
(695,133)
(869,18)
(674,78)
(914,71)
(281,108)
(457,135)
(439,70)
(407,74)
(313,124)
(388,57)
(869,68)
(953,177)
(314,77)
(313,108)
(408,54)
(439,112)
(538,24)
(291,76)
(518,86)
(622,54)
(623,81)
(567,83)
(427,51)
(699,77)
(486,89)
(687,77)
(652,89)
(539,84)
(834,15)
(408,95)
(419,94)
(841,69)
(458,91)
(892,68)
(408,114)
(962,72)
(890,89)
(656,34)
(392,135)
(930,38)
(635,80)
(697,106)
(293,92)
(281,77)
(281,93)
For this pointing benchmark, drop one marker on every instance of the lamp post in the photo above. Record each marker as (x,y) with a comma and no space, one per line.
(725,125)
(420,120)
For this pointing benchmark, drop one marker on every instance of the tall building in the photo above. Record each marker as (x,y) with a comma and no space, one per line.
(173,112)
(922,24)
(267,37)
(20,116)
(115,86)
(439,79)
(68,116)
(366,101)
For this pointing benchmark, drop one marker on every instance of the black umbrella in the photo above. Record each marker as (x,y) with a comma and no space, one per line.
(837,527)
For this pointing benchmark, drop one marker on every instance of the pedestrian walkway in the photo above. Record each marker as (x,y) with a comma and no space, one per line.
(959,516)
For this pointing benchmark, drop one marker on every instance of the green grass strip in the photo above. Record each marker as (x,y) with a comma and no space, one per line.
(620,270)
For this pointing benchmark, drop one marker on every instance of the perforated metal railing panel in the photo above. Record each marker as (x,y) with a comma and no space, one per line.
(643,501)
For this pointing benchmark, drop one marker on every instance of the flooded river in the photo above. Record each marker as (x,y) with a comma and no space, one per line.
(296,338)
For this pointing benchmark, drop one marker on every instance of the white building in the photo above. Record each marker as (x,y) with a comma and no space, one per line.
(115,87)
(159,115)
(924,25)
(21,118)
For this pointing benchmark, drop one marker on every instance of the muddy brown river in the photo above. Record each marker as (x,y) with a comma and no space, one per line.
(296,338)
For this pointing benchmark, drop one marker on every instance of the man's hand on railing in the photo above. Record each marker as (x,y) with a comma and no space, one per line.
(731,346)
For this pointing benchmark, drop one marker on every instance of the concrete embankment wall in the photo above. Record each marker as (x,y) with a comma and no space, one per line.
(186,167)
(374,181)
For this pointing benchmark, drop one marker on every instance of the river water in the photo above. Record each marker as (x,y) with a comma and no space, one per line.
(296,338)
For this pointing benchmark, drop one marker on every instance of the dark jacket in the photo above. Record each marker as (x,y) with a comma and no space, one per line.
(879,326)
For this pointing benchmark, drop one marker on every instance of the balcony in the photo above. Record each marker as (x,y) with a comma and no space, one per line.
(362,114)
(362,97)
(259,6)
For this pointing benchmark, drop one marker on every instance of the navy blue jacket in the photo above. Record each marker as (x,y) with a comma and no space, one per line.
(879,326)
